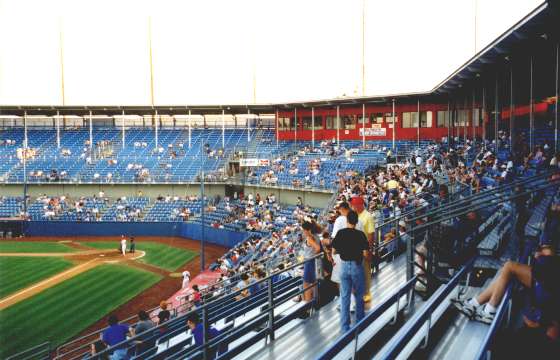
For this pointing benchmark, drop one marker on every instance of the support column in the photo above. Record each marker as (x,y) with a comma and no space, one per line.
(496,100)
(394,126)
(465,120)
(248,127)
(91,134)
(511,110)
(448,123)
(313,127)
(277,130)
(58,129)
(223,129)
(295,126)
(24,158)
(364,126)
(531,119)
(189,122)
(556,145)
(338,125)
(123,136)
(484,116)
(473,119)
(418,126)
(156,123)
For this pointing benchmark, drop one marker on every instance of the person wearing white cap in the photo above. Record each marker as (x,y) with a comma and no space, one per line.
(186,279)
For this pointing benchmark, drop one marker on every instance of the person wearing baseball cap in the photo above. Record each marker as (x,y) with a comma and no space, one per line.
(365,219)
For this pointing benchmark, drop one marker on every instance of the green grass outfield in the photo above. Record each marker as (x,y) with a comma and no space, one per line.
(160,255)
(33,247)
(18,272)
(62,311)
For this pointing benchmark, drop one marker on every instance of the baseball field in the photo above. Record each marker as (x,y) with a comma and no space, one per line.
(54,290)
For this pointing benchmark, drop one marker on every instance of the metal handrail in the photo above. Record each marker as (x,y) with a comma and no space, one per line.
(204,308)
(484,351)
(353,333)
(32,352)
(399,341)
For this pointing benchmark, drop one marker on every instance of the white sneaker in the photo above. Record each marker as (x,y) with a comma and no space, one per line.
(483,316)
(465,307)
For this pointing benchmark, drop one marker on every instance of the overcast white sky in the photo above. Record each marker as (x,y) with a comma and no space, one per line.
(211,51)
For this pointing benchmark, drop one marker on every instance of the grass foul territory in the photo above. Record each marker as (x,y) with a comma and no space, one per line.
(61,312)
(33,247)
(17,273)
(161,255)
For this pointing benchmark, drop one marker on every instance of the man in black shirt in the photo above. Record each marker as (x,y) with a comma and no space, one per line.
(352,246)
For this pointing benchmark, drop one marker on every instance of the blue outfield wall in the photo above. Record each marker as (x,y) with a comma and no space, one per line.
(189,230)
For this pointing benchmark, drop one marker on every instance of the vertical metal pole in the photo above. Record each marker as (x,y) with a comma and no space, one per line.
(205,325)
(189,122)
(156,126)
(223,129)
(473,118)
(448,123)
(496,99)
(270,310)
(295,126)
(58,129)
(90,134)
(277,130)
(338,125)
(248,127)
(418,126)
(484,116)
(313,127)
(202,210)
(531,120)
(465,120)
(394,125)
(24,157)
(364,126)
(511,110)
(556,107)
(123,139)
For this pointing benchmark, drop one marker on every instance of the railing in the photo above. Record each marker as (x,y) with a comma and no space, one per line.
(39,352)
(411,330)
(204,310)
(341,344)
(484,352)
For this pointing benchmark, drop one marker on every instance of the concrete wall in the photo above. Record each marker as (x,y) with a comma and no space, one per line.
(285,196)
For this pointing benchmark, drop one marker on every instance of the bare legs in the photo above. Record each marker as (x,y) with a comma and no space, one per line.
(493,294)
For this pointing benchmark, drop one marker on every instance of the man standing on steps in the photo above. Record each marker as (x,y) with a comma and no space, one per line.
(123,245)
(368,228)
(353,248)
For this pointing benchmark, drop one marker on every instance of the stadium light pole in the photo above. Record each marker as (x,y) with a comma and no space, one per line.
(394,125)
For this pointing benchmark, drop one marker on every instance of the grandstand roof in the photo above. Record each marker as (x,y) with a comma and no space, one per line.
(541,23)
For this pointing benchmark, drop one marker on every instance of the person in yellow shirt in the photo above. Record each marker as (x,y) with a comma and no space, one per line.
(368,227)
